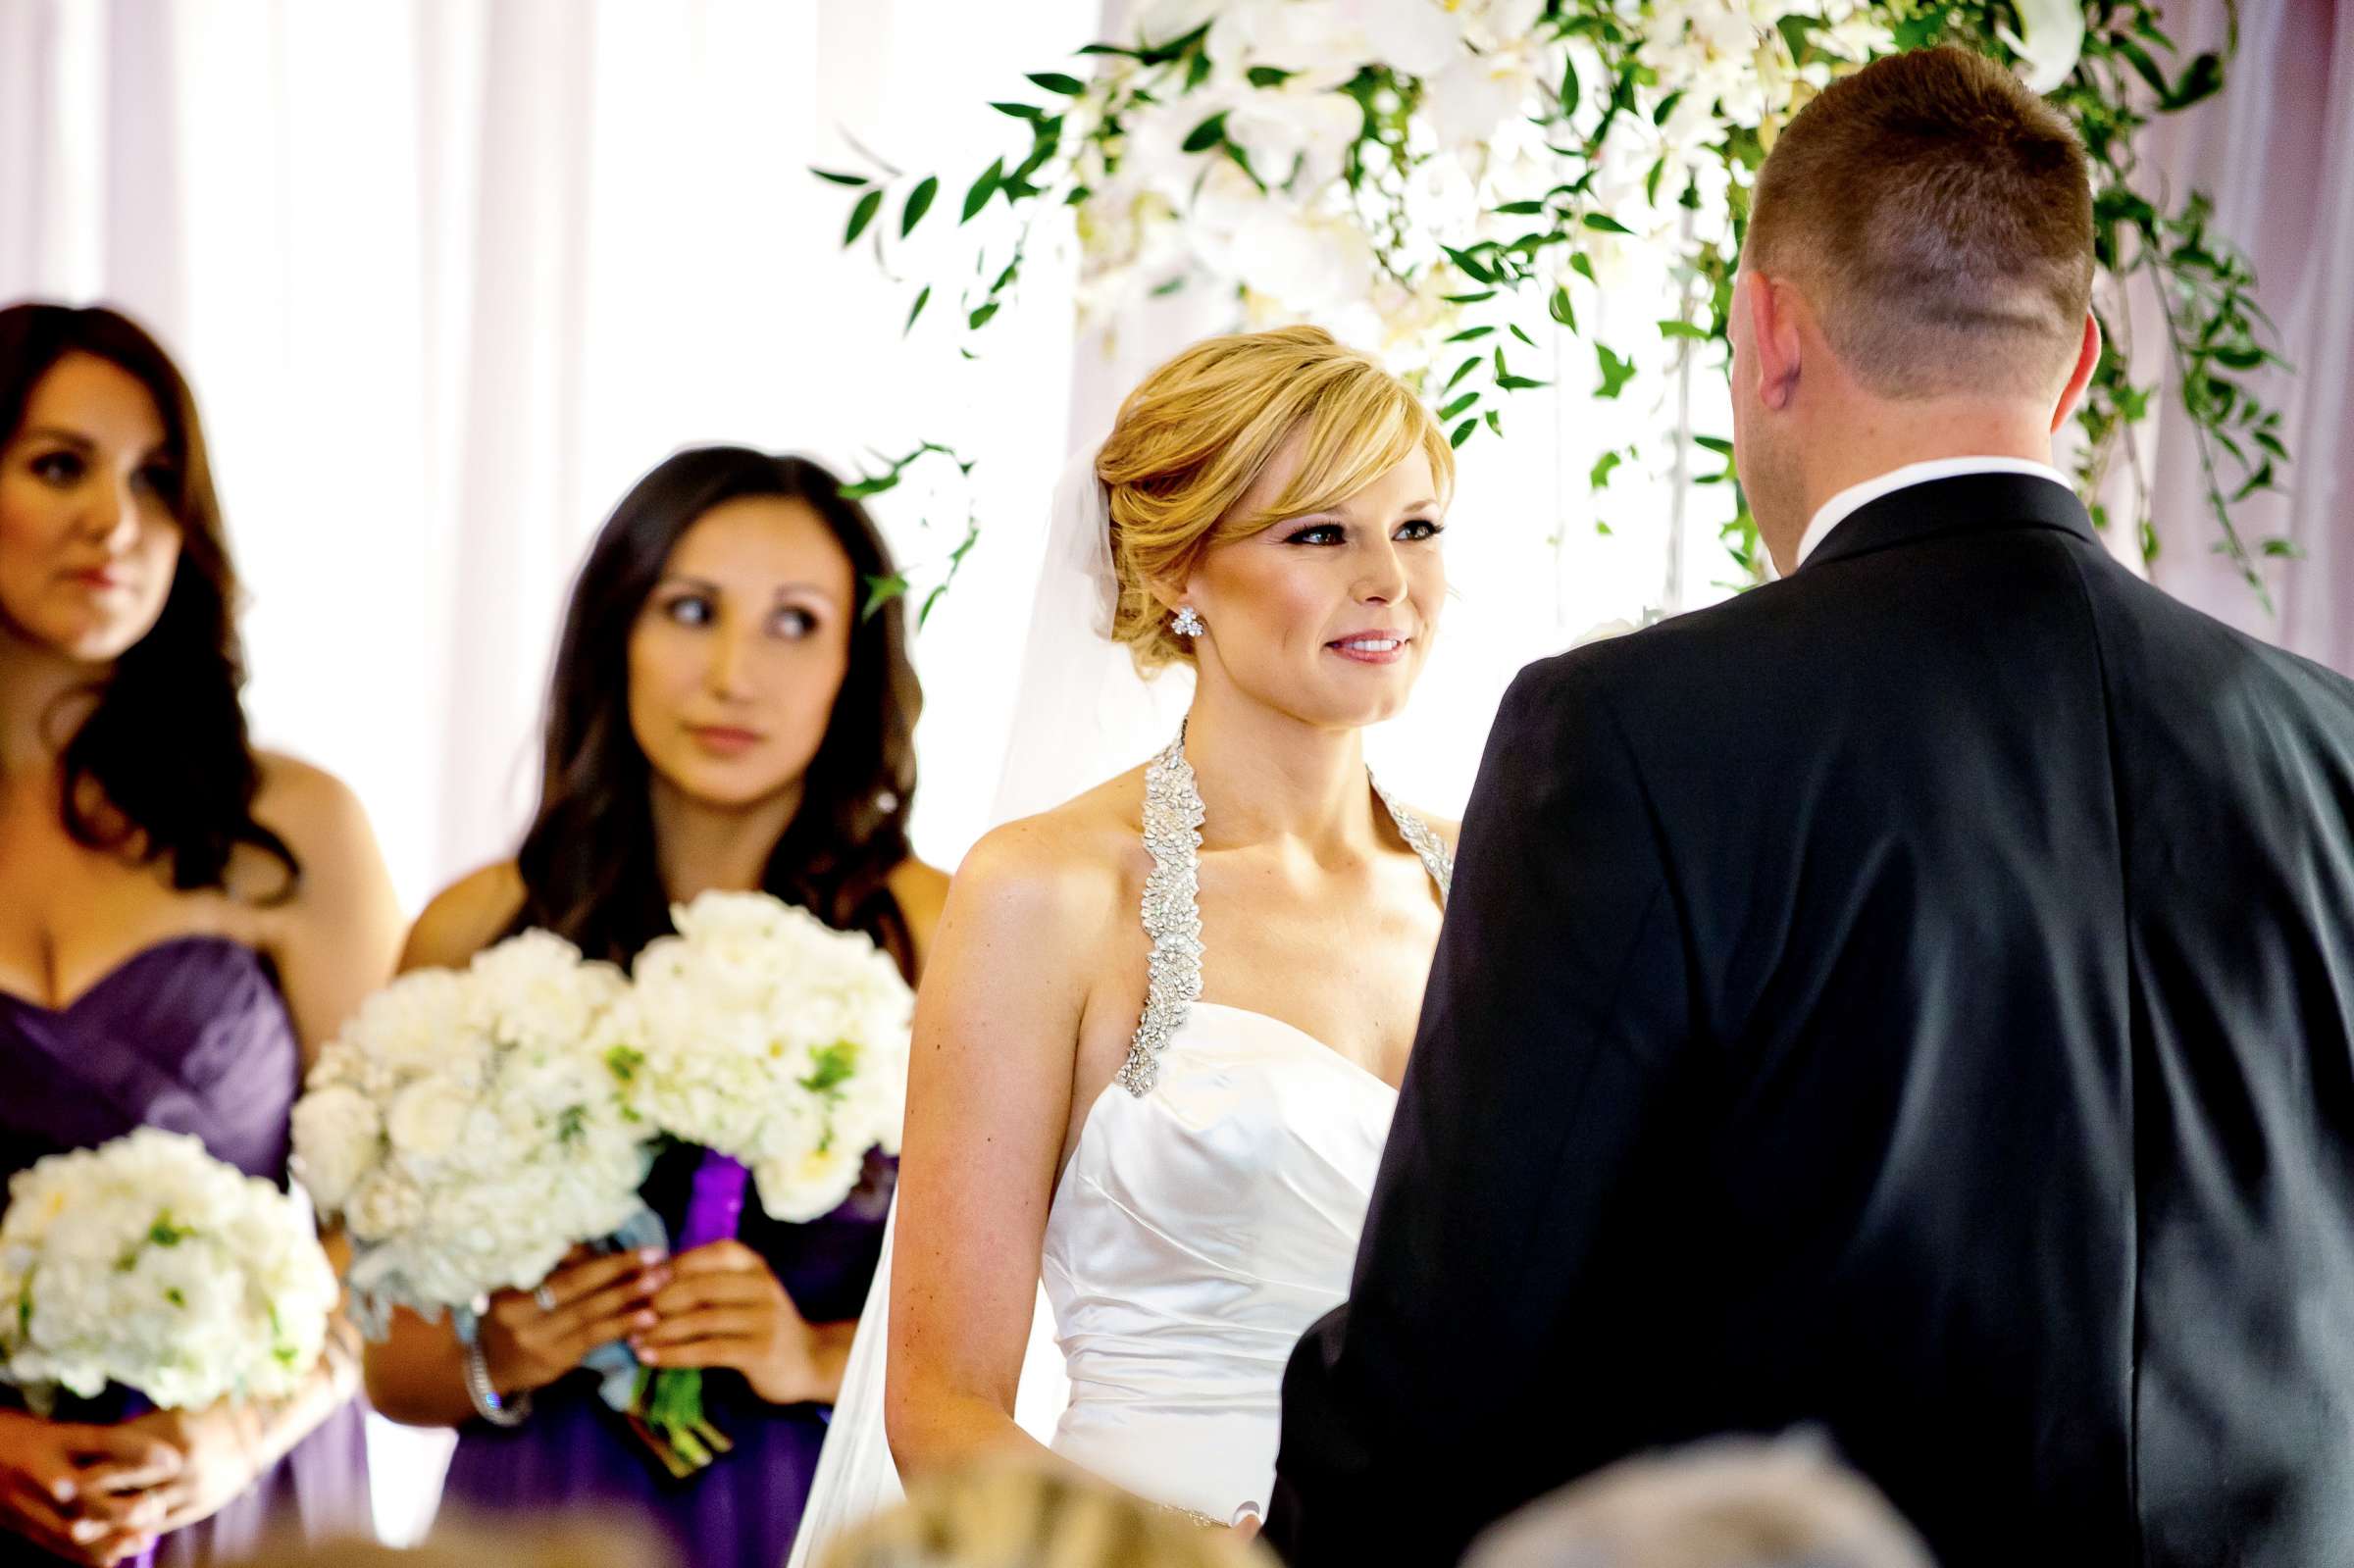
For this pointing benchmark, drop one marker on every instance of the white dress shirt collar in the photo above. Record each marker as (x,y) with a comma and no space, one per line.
(1839,508)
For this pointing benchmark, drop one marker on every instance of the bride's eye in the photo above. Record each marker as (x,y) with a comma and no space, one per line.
(1420,529)
(1316,534)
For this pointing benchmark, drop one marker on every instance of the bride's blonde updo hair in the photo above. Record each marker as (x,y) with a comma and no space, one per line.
(1196,435)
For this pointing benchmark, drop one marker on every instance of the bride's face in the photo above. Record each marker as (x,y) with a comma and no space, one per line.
(1327,617)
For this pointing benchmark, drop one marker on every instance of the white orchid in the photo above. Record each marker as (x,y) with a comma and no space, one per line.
(2049,42)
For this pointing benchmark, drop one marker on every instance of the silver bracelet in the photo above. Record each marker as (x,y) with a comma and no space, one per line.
(485,1399)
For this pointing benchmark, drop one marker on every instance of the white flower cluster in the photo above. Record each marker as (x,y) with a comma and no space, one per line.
(466,1128)
(1487,133)
(762,1032)
(147,1263)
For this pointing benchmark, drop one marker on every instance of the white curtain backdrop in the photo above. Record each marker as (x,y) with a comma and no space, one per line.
(2276,152)
(450,274)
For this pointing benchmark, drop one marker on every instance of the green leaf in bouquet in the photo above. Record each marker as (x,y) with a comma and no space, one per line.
(1205,136)
(1604,223)
(1560,309)
(855,181)
(1019,111)
(1462,433)
(1056,82)
(922,298)
(1461,403)
(831,1067)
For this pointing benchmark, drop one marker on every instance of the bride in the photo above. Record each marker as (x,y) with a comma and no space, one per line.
(1173,1122)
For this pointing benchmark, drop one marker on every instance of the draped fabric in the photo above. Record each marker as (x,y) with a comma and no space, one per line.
(190,1035)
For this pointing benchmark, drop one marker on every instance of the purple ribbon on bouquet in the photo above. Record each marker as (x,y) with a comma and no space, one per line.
(716,1203)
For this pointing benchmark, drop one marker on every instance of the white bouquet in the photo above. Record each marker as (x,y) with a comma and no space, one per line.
(149,1264)
(762,1033)
(466,1129)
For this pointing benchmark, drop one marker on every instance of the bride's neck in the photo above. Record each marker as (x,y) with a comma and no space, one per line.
(1265,776)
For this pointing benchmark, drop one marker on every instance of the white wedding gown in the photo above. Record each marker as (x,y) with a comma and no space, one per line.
(1208,1214)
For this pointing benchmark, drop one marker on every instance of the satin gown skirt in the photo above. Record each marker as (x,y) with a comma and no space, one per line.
(190,1035)
(1196,1233)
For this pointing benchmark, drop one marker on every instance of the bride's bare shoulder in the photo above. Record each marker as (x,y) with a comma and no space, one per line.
(1061,869)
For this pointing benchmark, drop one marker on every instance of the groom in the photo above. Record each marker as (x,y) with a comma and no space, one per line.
(1913,999)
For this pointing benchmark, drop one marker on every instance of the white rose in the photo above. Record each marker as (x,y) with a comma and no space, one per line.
(427,1118)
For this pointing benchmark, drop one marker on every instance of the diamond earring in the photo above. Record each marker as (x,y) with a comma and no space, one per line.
(1186,623)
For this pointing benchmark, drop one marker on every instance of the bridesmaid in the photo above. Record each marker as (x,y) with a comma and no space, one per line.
(183,920)
(723,717)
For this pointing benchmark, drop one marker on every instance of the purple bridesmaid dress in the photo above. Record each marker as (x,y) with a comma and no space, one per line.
(742,1511)
(190,1035)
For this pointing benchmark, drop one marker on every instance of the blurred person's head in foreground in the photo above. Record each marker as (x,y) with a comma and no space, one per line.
(569,1540)
(1010,1515)
(1735,1502)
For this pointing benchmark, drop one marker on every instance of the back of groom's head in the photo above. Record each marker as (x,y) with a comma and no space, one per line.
(1938,216)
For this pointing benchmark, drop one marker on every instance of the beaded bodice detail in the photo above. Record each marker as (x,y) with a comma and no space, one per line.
(1172,914)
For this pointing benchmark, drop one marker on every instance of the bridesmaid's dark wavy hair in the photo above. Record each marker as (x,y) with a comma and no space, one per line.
(165,757)
(587,863)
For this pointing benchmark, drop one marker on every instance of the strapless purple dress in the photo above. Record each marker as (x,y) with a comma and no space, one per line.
(740,1511)
(190,1035)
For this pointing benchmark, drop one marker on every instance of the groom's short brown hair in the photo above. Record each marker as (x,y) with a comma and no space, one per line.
(1938,216)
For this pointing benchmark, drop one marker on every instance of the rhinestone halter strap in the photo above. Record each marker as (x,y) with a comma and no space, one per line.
(1173,815)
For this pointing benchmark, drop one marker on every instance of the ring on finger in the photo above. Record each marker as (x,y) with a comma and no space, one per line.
(544,1298)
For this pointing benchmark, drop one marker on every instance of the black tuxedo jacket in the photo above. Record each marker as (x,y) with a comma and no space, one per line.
(1914,999)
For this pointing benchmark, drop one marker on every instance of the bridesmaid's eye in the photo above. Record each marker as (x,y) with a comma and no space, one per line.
(688,609)
(1420,529)
(1318,534)
(794,623)
(159,479)
(60,469)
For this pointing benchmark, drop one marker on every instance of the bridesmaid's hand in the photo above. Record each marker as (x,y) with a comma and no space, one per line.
(725,1308)
(82,1493)
(596,1298)
(217,1455)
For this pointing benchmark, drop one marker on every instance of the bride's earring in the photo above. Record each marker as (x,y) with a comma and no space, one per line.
(1186,623)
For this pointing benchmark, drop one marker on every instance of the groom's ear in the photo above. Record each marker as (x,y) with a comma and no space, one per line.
(2088,359)
(1771,308)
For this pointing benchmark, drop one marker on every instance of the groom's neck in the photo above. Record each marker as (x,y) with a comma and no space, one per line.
(1873,439)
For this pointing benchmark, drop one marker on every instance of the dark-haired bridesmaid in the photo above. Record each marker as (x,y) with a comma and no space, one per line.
(723,717)
(183,920)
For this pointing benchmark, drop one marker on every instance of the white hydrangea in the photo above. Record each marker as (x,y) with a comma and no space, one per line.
(147,1263)
(762,1032)
(466,1129)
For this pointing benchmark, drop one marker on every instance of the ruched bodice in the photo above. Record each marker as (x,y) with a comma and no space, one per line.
(1209,1212)
(189,1034)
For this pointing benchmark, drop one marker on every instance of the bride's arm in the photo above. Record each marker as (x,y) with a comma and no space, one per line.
(988,1102)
